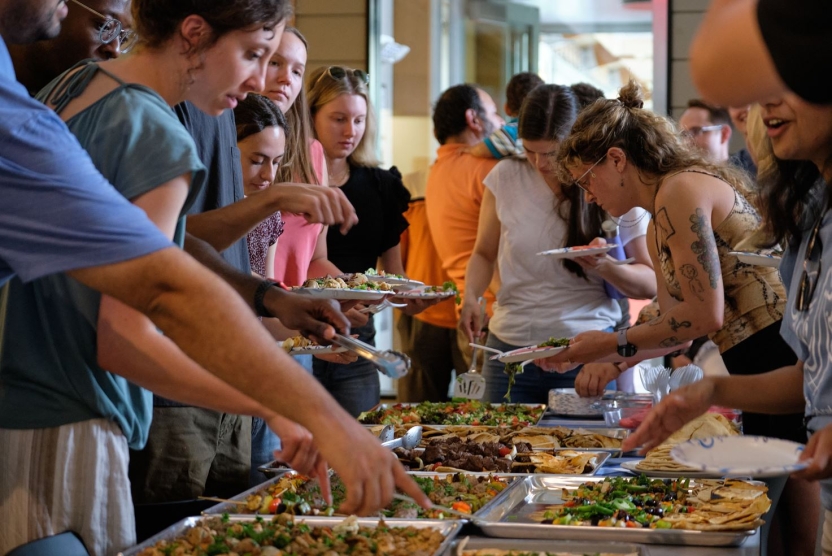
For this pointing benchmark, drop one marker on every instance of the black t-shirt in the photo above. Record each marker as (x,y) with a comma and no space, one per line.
(216,143)
(380,200)
(796,34)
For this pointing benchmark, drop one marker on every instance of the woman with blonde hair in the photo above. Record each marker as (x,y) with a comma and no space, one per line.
(344,123)
(624,156)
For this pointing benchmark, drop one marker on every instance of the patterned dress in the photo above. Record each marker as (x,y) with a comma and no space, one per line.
(260,239)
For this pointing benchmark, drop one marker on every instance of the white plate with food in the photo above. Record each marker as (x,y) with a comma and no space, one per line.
(578,251)
(757,259)
(741,456)
(632,467)
(397,280)
(529,353)
(343,294)
(298,345)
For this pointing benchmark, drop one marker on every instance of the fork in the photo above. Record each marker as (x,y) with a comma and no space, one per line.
(373,309)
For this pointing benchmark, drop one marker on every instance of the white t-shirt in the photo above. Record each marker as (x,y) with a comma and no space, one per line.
(632,225)
(538,297)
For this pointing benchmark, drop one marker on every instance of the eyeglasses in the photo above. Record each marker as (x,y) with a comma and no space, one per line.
(579,180)
(696,131)
(339,72)
(112,30)
(811,269)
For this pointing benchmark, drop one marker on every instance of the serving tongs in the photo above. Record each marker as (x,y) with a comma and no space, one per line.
(392,363)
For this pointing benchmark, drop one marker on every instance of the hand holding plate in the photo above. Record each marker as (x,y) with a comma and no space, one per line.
(818,454)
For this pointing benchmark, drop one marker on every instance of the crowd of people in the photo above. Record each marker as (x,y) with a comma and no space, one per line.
(181,187)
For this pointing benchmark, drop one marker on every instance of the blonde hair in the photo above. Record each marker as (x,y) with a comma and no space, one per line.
(323,89)
(651,142)
(300,135)
(758,142)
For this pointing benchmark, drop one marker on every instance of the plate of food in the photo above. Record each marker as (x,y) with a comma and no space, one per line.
(578,251)
(548,348)
(355,287)
(763,258)
(400,282)
(298,345)
(741,456)
(632,467)
(446,290)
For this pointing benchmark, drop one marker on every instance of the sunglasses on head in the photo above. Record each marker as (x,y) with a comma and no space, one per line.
(340,72)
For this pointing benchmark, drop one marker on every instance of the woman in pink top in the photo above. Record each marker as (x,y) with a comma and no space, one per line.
(301,251)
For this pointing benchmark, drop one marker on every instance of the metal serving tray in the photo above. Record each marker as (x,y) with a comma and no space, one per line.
(575,548)
(230,508)
(511,519)
(540,406)
(601,458)
(566,402)
(450,529)
(613,432)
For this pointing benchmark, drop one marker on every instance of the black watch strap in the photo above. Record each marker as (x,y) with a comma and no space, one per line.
(625,348)
(259,295)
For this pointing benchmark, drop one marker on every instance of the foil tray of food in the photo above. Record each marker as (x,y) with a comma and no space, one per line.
(479,546)
(454,454)
(682,511)
(295,494)
(540,438)
(300,536)
(468,412)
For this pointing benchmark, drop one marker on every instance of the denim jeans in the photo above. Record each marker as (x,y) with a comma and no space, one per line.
(532,386)
(263,444)
(355,385)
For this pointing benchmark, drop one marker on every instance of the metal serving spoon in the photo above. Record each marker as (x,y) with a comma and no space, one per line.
(410,440)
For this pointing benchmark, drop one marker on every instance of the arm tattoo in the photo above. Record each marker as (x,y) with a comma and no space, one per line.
(689,271)
(675,325)
(704,247)
(663,222)
(670,342)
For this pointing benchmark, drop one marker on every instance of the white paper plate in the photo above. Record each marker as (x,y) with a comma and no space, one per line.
(316,350)
(527,354)
(424,295)
(741,456)
(631,467)
(578,251)
(343,294)
(756,259)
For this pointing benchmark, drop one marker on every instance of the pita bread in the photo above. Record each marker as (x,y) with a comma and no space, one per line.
(705,426)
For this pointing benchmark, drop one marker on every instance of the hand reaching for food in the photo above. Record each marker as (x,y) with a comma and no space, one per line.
(674,411)
(299,451)
(586,347)
(593,378)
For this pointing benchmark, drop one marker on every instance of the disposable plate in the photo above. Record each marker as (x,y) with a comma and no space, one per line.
(527,354)
(756,259)
(577,251)
(741,456)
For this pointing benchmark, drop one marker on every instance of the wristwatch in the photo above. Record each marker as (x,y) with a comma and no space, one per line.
(625,348)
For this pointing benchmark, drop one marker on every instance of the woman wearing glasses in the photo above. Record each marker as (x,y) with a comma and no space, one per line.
(625,156)
(526,210)
(345,125)
(120,111)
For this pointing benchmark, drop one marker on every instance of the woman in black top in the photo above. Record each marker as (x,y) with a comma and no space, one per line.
(345,125)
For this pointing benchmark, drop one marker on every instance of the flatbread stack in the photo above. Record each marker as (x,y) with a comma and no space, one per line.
(705,426)
(567,462)
(727,505)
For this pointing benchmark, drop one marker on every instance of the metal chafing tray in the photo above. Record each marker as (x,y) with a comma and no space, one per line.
(600,459)
(612,432)
(450,529)
(576,548)
(511,519)
(231,508)
(540,406)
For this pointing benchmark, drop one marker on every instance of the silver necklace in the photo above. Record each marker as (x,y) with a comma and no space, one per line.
(630,223)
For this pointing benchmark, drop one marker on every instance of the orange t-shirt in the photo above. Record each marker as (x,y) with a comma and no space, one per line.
(422,263)
(453,196)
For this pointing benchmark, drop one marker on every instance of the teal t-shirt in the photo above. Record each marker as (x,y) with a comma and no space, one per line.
(49,374)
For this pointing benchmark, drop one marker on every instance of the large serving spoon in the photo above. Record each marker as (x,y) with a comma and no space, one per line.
(410,440)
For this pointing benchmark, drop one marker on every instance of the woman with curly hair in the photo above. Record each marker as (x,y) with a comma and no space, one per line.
(624,156)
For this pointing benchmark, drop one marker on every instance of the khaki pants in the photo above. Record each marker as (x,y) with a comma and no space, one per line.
(68,478)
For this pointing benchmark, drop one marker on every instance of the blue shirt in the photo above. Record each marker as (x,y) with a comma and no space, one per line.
(809,333)
(57,212)
(49,365)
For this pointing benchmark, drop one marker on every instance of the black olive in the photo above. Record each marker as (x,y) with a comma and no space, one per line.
(548,521)
(670,496)
(595,520)
(650,502)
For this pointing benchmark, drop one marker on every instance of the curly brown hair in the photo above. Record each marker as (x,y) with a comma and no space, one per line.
(651,142)
(156,21)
